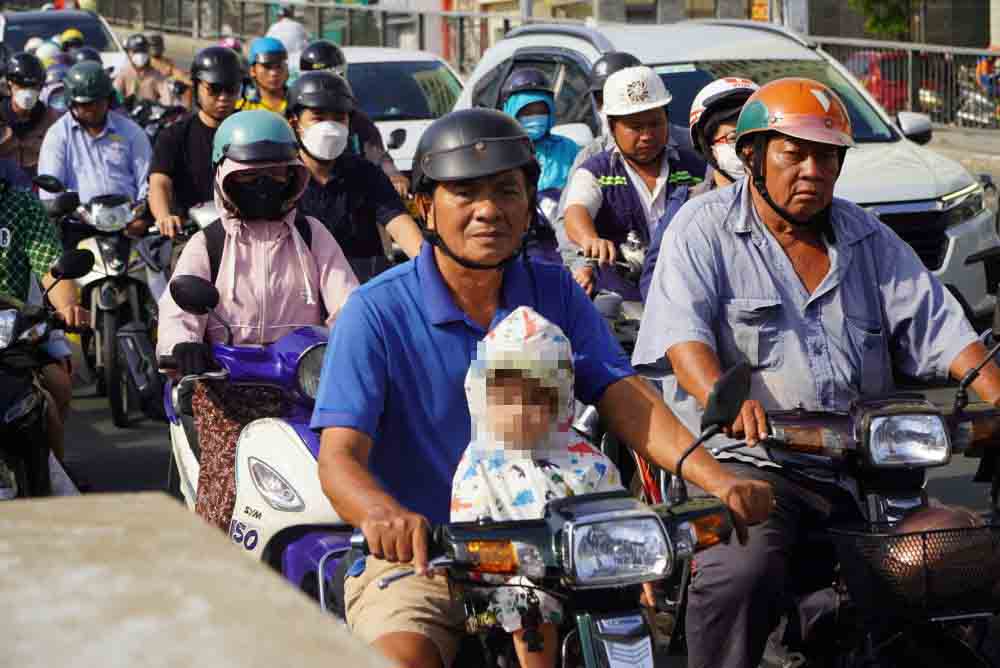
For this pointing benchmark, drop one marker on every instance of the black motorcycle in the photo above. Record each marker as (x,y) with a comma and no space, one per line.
(24,331)
(117,294)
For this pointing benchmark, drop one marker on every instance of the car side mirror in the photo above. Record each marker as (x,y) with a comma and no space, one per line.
(916,127)
(72,265)
(396,139)
(194,294)
(49,183)
(726,398)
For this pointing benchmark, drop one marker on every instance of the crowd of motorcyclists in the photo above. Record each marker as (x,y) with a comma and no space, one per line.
(750,259)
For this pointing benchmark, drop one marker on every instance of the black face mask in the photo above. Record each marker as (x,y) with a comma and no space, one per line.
(263,198)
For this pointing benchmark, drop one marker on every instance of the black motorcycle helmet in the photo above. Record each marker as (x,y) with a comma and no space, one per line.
(84,54)
(217,65)
(471,144)
(25,70)
(607,65)
(137,43)
(322,54)
(522,80)
(156,45)
(320,90)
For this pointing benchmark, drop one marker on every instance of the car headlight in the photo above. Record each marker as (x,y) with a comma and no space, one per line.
(308,371)
(616,550)
(907,440)
(277,491)
(963,204)
(8,323)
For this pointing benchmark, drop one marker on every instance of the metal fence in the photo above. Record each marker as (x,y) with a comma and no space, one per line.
(954,86)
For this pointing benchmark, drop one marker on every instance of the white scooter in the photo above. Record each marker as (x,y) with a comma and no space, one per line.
(281,514)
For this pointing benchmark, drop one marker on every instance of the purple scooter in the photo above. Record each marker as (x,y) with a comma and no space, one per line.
(281,515)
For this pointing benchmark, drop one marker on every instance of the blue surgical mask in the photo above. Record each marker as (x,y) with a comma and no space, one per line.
(535,126)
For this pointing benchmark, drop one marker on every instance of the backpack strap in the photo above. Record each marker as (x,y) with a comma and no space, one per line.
(215,240)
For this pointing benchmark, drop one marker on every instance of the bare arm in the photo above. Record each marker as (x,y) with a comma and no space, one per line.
(405,232)
(697,368)
(987,385)
(66,302)
(581,230)
(393,532)
(638,416)
(161,197)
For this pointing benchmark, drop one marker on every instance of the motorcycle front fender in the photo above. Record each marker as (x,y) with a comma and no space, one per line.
(615,640)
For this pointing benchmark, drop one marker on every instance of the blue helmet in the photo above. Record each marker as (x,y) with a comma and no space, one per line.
(267,50)
(254,136)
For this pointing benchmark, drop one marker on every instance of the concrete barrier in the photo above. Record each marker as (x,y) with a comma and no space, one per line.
(137,580)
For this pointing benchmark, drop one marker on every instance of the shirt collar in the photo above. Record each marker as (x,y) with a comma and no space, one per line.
(441,307)
(850,224)
(109,124)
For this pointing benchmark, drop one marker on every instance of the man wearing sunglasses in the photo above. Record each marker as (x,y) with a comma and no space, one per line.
(181,172)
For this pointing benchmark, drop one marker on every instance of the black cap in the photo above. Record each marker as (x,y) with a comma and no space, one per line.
(217,65)
(323,90)
(137,43)
(85,53)
(321,55)
(470,144)
(607,65)
(525,79)
(26,70)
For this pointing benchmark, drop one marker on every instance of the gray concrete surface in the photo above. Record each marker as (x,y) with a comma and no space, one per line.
(977,150)
(136,580)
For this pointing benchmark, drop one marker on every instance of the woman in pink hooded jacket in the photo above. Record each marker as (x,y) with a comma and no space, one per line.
(270,279)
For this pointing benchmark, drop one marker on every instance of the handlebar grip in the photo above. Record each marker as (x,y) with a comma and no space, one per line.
(167,362)
(360,543)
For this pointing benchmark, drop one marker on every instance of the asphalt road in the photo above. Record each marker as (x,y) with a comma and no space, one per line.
(134,459)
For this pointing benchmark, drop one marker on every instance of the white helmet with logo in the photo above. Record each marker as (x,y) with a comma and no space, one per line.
(717,102)
(633,90)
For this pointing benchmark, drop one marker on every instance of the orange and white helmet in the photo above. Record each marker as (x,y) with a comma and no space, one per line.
(717,102)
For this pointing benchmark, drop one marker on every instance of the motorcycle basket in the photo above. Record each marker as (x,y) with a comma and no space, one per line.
(923,575)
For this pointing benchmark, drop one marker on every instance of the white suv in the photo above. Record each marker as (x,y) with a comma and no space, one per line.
(932,202)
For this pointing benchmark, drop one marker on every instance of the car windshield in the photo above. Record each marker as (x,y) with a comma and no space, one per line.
(18,31)
(685,80)
(399,91)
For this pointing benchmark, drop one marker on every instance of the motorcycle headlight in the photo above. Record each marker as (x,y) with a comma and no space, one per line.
(110,218)
(8,323)
(963,204)
(617,549)
(277,491)
(909,440)
(308,371)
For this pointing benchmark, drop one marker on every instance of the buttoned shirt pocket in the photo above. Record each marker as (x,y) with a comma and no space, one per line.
(874,369)
(751,331)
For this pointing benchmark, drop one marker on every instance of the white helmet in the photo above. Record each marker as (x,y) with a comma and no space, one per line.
(727,96)
(634,89)
(46,52)
(33,43)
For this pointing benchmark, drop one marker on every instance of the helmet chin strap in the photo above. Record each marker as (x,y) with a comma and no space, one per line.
(434,239)
(817,220)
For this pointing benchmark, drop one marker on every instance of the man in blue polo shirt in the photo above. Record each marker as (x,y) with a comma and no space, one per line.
(391,401)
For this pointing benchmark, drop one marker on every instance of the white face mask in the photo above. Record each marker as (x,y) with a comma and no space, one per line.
(729,162)
(140,59)
(26,98)
(325,140)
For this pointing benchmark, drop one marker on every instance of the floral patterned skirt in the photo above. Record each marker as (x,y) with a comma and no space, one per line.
(221,411)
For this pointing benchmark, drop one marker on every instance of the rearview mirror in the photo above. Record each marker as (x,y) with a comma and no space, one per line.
(916,127)
(63,203)
(194,294)
(73,264)
(727,397)
(396,139)
(48,183)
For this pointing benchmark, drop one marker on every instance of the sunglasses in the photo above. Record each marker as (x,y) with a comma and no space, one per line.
(216,90)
